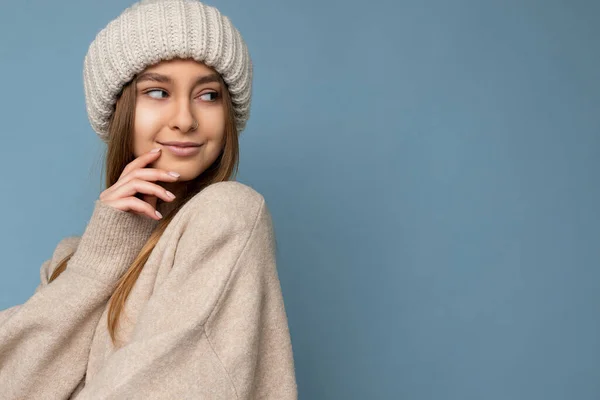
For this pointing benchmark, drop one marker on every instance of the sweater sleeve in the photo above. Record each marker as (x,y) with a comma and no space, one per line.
(216,328)
(44,342)
(63,248)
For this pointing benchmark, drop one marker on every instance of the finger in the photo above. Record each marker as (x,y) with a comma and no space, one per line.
(135,186)
(148,174)
(136,205)
(145,198)
(141,161)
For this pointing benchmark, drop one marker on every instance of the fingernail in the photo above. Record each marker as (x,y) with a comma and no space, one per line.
(175,174)
(171,195)
(156,150)
(159,215)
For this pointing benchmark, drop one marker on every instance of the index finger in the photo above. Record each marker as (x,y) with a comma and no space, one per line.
(140,161)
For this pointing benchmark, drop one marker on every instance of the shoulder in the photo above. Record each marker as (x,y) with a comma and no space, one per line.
(228,206)
(230,192)
(229,198)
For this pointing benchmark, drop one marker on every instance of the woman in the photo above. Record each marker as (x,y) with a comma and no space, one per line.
(172,291)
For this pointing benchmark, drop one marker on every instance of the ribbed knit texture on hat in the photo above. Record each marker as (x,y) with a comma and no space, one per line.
(150,31)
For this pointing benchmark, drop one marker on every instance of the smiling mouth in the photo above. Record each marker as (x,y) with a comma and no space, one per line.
(180,144)
(183,151)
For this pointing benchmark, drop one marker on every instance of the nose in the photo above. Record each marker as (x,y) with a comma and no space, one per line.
(183,118)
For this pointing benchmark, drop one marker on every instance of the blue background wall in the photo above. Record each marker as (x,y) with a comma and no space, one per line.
(431,167)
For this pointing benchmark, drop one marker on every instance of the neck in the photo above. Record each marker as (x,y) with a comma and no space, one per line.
(164,207)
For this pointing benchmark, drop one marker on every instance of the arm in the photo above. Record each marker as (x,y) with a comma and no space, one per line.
(216,328)
(8,312)
(44,343)
(65,246)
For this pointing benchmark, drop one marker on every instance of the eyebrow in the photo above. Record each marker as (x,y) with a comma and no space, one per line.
(156,77)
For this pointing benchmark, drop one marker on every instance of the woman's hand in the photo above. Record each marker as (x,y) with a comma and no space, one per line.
(135,178)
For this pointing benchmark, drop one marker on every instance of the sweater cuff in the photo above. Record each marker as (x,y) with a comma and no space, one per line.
(110,243)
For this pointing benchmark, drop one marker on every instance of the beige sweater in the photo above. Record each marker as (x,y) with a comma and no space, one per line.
(205,319)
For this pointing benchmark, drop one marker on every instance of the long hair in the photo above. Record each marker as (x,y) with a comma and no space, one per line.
(120,153)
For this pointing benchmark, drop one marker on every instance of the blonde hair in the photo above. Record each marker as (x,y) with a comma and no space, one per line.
(120,153)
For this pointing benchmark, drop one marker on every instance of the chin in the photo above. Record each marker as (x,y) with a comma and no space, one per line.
(187,175)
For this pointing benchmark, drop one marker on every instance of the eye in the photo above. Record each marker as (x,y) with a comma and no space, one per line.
(215,94)
(154,90)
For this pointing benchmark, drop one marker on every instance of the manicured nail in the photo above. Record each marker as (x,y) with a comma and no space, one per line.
(175,174)
(156,150)
(171,195)
(159,215)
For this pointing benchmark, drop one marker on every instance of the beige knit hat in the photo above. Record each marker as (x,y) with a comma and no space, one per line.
(153,30)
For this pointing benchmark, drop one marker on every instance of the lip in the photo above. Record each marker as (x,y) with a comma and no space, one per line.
(181,144)
(183,151)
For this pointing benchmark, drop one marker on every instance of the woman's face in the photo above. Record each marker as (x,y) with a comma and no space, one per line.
(172,97)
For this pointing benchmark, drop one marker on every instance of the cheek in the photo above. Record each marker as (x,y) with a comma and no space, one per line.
(145,119)
(145,124)
(216,125)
